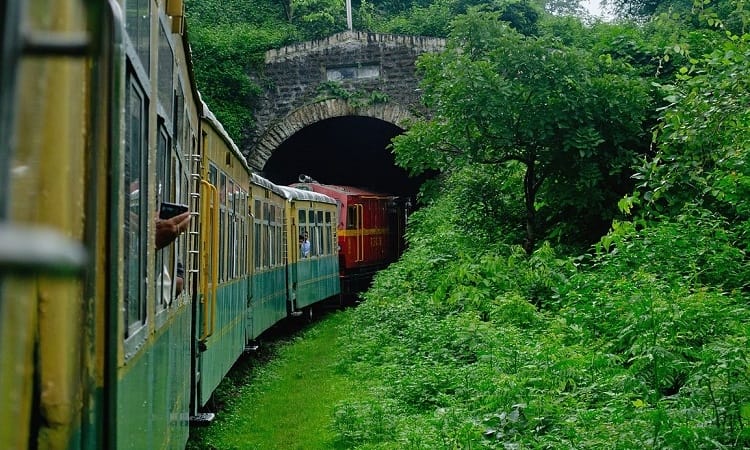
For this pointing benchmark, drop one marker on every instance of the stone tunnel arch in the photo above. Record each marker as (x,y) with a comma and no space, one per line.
(344,150)
(325,89)
(310,114)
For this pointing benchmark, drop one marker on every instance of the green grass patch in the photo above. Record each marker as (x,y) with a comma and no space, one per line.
(286,402)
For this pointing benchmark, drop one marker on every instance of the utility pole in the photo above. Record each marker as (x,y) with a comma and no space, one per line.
(349,14)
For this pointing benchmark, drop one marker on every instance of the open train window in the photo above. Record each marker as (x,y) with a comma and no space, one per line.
(164,269)
(302,227)
(313,236)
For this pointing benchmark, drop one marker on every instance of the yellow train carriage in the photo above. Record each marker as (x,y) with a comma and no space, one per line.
(223,292)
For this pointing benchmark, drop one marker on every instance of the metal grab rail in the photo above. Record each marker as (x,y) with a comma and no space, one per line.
(360,233)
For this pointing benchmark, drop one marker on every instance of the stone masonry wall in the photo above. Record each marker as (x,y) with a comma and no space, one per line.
(293,75)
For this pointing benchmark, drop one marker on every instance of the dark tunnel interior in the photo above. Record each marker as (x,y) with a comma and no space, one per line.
(349,151)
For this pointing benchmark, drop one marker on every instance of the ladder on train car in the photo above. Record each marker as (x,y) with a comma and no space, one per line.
(193,262)
(284,238)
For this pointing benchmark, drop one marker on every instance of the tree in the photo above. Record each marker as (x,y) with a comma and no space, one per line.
(225,54)
(703,156)
(572,120)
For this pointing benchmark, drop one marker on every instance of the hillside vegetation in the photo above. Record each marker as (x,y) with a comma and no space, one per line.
(577,276)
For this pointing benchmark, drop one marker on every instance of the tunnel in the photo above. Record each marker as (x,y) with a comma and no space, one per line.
(349,150)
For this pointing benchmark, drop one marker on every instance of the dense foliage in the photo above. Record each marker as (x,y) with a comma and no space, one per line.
(641,344)
(572,119)
(500,327)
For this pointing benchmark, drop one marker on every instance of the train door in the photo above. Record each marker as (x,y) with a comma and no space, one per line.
(209,254)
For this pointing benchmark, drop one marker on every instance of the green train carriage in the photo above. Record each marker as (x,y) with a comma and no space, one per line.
(99,346)
(149,336)
(269,296)
(99,101)
(314,277)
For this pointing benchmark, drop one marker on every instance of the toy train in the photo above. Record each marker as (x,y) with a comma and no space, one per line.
(107,338)
(370,230)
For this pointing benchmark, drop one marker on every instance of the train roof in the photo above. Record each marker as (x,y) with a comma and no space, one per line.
(346,190)
(260,181)
(211,118)
(293,193)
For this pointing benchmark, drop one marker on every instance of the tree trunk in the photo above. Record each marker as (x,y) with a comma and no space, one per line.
(529,188)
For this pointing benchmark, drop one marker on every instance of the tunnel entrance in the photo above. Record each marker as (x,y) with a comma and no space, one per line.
(349,150)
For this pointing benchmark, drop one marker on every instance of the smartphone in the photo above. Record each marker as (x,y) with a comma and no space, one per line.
(169,210)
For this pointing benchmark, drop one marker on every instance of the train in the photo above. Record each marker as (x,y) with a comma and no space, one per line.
(371,230)
(110,335)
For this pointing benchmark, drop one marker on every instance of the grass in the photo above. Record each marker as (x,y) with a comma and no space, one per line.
(286,402)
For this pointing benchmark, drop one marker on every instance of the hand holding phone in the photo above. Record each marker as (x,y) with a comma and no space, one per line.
(170,223)
(168,210)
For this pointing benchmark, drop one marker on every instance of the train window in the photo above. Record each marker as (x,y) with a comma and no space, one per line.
(230,195)
(280,239)
(179,117)
(247,225)
(319,232)
(164,261)
(223,188)
(302,222)
(235,231)
(135,213)
(185,136)
(266,236)
(351,217)
(213,174)
(222,225)
(312,236)
(239,224)
(165,77)
(329,233)
(213,178)
(138,27)
(256,235)
(272,237)
(231,253)
(242,268)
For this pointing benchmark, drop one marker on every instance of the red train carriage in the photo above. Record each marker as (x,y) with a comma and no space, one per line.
(370,231)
